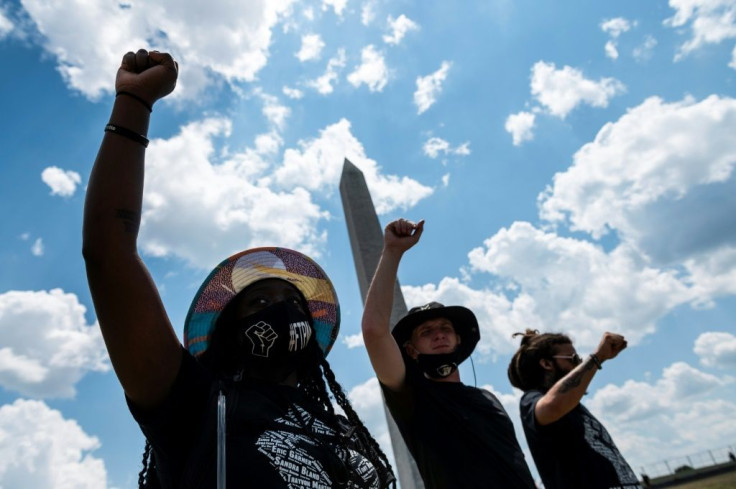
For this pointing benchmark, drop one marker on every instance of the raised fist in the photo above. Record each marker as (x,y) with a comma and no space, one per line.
(402,234)
(611,345)
(149,75)
(262,337)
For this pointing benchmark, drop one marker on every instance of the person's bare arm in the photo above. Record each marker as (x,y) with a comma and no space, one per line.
(383,351)
(567,392)
(143,347)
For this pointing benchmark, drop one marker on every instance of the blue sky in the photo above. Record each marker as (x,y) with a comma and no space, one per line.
(574,162)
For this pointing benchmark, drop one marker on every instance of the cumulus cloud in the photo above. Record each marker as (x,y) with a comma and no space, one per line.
(293,93)
(229,40)
(246,199)
(711,22)
(47,346)
(732,64)
(6,25)
(367,401)
(368,12)
(560,91)
(42,449)
(273,111)
(644,51)
(399,28)
(547,282)
(37,248)
(317,165)
(716,349)
(337,5)
(616,26)
(659,163)
(611,50)
(323,84)
(353,341)
(679,413)
(372,70)
(62,183)
(429,87)
(521,127)
(434,146)
(311,49)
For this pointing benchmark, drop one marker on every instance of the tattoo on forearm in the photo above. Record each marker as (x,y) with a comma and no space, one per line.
(131,219)
(573,379)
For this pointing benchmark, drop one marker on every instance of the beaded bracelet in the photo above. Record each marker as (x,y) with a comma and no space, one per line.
(596,361)
(127,133)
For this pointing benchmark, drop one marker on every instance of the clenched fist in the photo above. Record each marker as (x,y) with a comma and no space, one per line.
(149,75)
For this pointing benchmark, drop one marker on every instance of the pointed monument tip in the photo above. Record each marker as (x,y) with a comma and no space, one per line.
(349,167)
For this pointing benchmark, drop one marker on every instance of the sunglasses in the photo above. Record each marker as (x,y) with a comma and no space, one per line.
(574,358)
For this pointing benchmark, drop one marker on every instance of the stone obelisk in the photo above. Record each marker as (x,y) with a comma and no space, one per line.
(366,241)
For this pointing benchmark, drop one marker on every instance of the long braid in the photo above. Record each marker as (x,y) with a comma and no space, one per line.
(375,454)
(147,477)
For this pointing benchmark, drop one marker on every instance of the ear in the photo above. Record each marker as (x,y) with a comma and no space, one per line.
(411,351)
(546,364)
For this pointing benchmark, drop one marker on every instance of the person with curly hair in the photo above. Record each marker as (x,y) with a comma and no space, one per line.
(571,448)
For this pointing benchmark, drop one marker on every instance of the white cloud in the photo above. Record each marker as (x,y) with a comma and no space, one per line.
(63,183)
(293,93)
(615,27)
(274,111)
(399,28)
(46,344)
(368,12)
(244,199)
(732,64)
(227,39)
(611,50)
(337,5)
(367,401)
(6,25)
(317,166)
(429,87)
(372,70)
(659,163)
(311,49)
(445,179)
(680,413)
(644,51)
(227,205)
(560,91)
(716,349)
(353,341)
(42,449)
(521,127)
(711,21)
(37,248)
(434,146)
(323,84)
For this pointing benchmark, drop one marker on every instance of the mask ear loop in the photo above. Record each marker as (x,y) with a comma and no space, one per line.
(472,364)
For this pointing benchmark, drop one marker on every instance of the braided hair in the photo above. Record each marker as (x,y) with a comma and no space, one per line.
(524,370)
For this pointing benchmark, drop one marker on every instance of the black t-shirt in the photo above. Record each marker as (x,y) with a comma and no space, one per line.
(460,436)
(277,438)
(574,452)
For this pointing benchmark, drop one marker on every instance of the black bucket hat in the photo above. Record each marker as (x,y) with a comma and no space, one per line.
(462,319)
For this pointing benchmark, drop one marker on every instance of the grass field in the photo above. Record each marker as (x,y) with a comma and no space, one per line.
(723,481)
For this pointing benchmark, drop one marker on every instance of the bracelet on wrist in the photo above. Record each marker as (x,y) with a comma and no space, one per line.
(139,99)
(596,361)
(127,133)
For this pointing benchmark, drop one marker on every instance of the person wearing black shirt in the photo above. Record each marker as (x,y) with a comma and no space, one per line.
(571,448)
(244,400)
(460,436)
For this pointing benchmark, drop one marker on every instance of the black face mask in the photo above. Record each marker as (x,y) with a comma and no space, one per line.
(439,365)
(277,337)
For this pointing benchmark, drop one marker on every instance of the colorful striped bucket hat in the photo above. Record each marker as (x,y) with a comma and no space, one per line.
(247,267)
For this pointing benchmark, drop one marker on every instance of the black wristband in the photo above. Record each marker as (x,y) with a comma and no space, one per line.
(596,361)
(139,99)
(127,133)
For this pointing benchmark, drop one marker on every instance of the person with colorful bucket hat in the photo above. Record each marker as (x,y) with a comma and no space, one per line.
(245,401)
(460,436)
